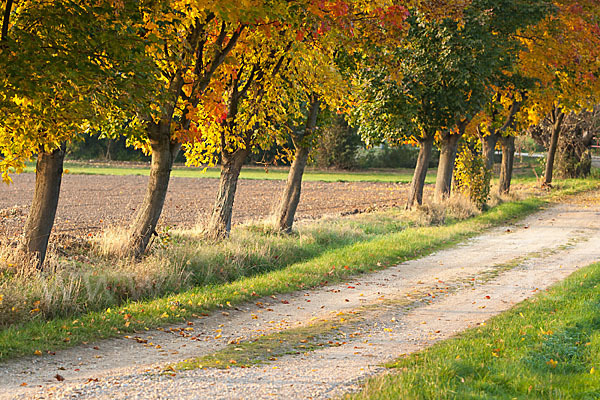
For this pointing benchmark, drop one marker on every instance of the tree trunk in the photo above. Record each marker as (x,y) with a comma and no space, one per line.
(219,224)
(508,158)
(418,181)
(488,149)
(163,154)
(108,156)
(291,194)
(558,117)
(443,182)
(6,20)
(48,177)
(488,142)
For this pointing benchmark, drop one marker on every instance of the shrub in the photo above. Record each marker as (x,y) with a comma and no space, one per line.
(471,175)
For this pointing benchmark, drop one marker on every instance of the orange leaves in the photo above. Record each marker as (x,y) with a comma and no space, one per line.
(562,53)
(392,16)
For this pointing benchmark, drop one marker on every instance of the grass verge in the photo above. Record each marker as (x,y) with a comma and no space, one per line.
(370,242)
(333,265)
(548,347)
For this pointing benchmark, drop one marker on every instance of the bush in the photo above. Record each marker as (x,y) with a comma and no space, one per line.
(93,147)
(471,175)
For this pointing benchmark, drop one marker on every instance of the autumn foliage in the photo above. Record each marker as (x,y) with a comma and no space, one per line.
(222,79)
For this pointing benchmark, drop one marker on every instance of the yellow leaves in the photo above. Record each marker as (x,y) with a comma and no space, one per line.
(150,26)
(21,101)
(37,353)
(546,333)
(5,178)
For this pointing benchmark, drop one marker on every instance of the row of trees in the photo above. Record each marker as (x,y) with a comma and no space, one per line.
(219,80)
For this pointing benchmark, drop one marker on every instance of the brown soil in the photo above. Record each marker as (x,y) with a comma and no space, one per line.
(89,203)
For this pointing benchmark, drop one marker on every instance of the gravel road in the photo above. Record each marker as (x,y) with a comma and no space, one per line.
(549,246)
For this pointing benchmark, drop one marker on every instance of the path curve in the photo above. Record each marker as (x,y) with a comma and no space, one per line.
(508,264)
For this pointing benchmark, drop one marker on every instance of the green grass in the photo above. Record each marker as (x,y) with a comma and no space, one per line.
(547,347)
(365,244)
(248,172)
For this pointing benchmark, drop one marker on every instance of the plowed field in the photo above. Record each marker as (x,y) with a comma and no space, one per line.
(90,202)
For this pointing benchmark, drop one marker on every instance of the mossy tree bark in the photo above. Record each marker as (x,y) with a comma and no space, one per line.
(164,152)
(443,182)
(219,225)
(488,148)
(508,159)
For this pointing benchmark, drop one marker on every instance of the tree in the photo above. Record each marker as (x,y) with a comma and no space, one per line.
(291,194)
(562,54)
(280,70)
(445,72)
(70,67)
(252,111)
(350,35)
(499,124)
(573,151)
(192,44)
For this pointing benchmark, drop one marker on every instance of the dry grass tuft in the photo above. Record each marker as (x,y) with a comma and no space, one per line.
(111,242)
(430,213)
(75,280)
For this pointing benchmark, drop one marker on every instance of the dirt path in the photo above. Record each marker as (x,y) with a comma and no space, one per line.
(450,290)
(89,203)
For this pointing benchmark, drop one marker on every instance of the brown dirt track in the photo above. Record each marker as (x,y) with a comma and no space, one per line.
(89,203)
